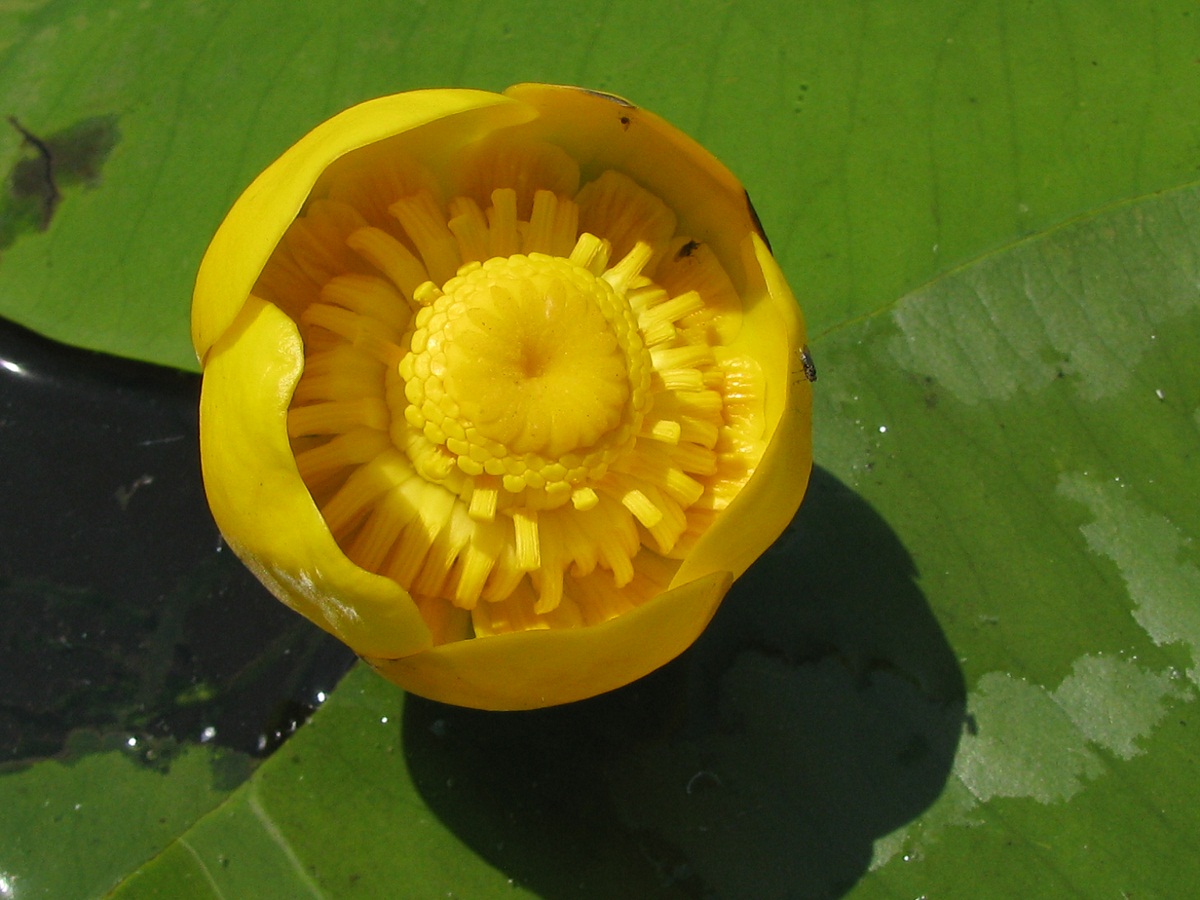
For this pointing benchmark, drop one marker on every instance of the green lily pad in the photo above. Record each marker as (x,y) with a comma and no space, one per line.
(823,737)
(76,827)
(970,668)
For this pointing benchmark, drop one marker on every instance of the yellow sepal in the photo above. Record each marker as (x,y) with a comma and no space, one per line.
(262,214)
(263,507)
(532,669)
(772,334)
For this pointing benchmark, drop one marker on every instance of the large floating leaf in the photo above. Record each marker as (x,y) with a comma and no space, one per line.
(1030,422)
(1031,425)
(76,828)
(882,141)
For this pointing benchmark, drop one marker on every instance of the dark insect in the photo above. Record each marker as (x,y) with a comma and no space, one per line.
(687,249)
(810,368)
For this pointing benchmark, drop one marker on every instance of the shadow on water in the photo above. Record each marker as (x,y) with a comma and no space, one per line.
(820,711)
(123,612)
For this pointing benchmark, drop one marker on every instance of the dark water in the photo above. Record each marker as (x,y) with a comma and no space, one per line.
(121,611)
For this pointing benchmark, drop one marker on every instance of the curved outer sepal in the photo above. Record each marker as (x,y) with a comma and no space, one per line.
(603,131)
(773,333)
(264,508)
(260,216)
(533,669)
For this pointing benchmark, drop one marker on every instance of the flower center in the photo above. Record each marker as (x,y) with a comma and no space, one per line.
(520,433)
(528,368)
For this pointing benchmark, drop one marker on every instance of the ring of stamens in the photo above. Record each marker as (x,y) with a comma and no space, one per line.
(517,432)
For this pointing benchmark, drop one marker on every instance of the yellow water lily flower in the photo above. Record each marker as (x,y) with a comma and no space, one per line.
(503,390)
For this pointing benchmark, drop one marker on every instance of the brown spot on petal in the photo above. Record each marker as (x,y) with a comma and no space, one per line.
(605,95)
(758,226)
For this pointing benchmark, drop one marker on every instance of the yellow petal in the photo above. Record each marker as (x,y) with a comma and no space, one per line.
(532,669)
(262,506)
(772,333)
(264,211)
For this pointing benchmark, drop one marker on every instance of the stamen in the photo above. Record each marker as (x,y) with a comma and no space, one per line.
(434,505)
(352,501)
(449,541)
(642,507)
(483,503)
(670,521)
(342,372)
(516,613)
(548,578)
(690,356)
(658,333)
(426,226)
(528,547)
(645,296)
(680,379)
(391,258)
(337,417)
(369,296)
(375,540)
(502,223)
(698,432)
(345,450)
(599,602)
(578,552)
(699,404)
(672,310)
(667,431)
(693,458)
(506,575)
(590,253)
(584,498)
(476,562)
(620,275)
(552,226)
(364,333)
(470,229)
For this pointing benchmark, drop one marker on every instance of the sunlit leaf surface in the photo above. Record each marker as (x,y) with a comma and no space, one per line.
(970,668)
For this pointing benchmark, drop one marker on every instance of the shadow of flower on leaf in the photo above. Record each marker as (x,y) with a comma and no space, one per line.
(819,712)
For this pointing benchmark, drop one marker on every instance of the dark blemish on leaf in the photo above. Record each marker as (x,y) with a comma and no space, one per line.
(49,166)
(611,98)
(810,368)
(34,178)
(757,221)
(687,249)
